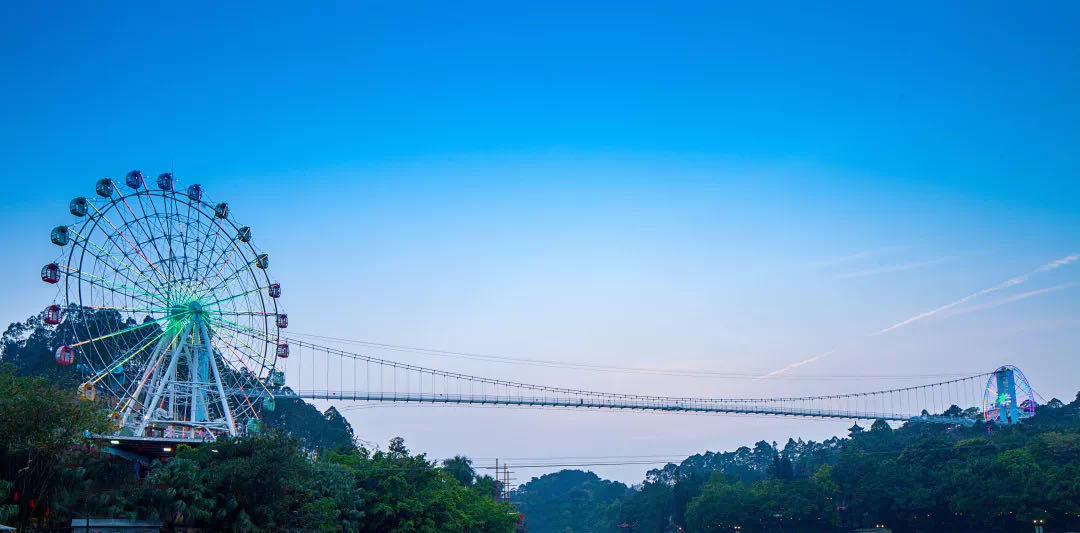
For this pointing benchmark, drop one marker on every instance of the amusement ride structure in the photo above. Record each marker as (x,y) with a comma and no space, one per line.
(172,320)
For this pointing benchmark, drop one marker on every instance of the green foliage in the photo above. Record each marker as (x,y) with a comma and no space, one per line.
(7,511)
(461,469)
(396,491)
(304,474)
(918,477)
(312,429)
(42,427)
(236,484)
(571,500)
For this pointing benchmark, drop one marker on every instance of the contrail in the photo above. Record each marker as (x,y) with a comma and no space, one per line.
(793,366)
(1015,297)
(891,268)
(1003,285)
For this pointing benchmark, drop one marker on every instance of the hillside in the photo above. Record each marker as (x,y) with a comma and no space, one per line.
(918,477)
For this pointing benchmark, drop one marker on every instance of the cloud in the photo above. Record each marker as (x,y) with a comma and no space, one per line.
(891,268)
(1013,298)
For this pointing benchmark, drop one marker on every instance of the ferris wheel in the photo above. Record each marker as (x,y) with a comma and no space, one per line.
(165,307)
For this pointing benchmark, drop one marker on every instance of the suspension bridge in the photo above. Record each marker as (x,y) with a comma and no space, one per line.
(170,316)
(349,376)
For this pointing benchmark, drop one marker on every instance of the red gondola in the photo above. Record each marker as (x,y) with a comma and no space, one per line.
(283,350)
(50,273)
(283,321)
(65,355)
(274,291)
(52,315)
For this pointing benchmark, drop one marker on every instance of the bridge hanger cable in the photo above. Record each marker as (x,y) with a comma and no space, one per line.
(527,386)
(612,368)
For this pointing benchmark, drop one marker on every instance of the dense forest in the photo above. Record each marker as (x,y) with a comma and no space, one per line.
(918,477)
(304,473)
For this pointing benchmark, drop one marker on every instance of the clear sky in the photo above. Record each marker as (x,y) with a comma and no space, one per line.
(720,186)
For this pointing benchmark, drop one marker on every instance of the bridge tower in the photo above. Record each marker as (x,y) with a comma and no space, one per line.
(1008,397)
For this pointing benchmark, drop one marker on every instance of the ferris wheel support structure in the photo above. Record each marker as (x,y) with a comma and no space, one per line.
(151,281)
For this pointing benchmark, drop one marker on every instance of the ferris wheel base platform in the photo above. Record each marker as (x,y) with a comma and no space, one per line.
(143,450)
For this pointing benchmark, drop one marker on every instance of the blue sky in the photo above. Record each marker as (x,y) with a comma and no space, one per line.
(718,185)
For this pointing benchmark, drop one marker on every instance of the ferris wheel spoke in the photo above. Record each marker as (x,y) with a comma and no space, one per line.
(232,251)
(233,276)
(117,288)
(111,286)
(253,354)
(235,296)
(130,309)
(251,407)
(228,325)
(243,313)
(240,359)
(163,224)
(119,362)
(207,282)
(152,322)
(135,248)
(242,328)
(187,239)
(146,224)
(213,247)
(118,261)
(202,245)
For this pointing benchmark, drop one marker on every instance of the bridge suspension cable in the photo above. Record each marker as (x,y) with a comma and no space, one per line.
(609,368)
(325,373)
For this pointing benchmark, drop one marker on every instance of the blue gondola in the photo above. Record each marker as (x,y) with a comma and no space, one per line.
(104,187)
(165,181)
(78,206)
(134,179)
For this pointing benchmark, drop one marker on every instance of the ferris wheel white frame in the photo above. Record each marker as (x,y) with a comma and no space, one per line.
(173,339)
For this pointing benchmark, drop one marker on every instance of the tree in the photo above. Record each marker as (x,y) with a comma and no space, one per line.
(571,500)
(42,426)
(460,467)
(396,491)
(236,484)
(312,429)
